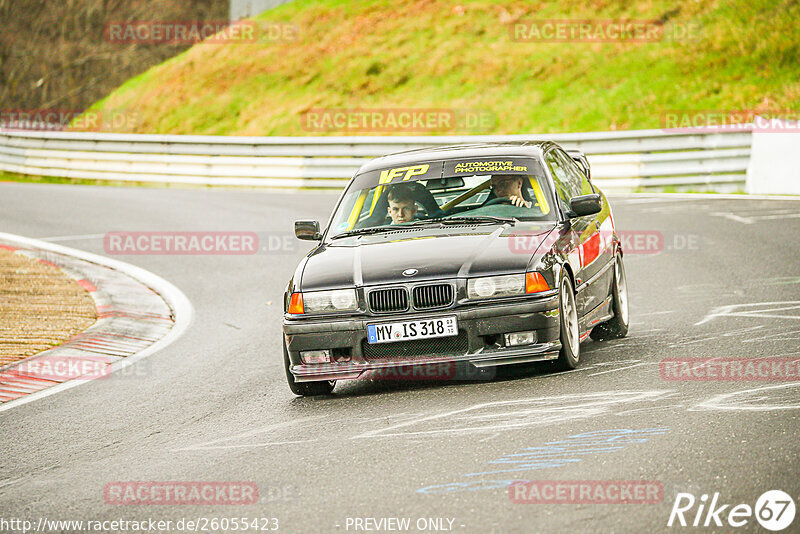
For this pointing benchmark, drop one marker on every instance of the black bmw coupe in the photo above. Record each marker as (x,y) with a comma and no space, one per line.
(479,255)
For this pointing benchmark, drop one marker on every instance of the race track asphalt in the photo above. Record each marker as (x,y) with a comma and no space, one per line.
(724,282)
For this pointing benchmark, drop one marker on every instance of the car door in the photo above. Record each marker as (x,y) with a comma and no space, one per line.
(596,250)
(587,260)
(580,231)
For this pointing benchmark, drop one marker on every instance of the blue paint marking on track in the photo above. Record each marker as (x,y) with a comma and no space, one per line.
(551,455)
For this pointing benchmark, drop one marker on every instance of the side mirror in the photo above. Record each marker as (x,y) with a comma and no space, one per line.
(307,230)
(585,205)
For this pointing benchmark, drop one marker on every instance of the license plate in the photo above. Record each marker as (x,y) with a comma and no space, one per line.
(418,329)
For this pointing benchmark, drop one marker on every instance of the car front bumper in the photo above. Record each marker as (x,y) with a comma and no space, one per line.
(480,341)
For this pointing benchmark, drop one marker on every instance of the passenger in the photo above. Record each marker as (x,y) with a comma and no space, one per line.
(509,186)
(402,206)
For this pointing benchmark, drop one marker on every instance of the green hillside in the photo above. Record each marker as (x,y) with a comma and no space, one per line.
(445,55)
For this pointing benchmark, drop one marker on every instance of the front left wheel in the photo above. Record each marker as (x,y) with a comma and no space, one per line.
(570,354)
(306,389)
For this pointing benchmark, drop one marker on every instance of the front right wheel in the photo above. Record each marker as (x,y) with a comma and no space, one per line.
(617,326)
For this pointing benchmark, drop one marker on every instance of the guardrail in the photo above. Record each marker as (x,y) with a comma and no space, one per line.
(620,160)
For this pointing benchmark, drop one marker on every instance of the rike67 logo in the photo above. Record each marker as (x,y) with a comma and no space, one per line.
(774,510)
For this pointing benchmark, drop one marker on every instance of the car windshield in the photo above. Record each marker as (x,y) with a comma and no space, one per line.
(444,192)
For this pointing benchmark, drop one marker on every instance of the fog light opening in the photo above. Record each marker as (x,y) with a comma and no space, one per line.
(514,339)
(341,355)
(491,341)
(316,356)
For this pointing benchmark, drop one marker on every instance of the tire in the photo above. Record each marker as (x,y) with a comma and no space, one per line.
(305,389)
(570,354)
(617,326)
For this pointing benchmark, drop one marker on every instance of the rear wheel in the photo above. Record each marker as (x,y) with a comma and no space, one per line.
(306,389)
(617,326)
(570,353)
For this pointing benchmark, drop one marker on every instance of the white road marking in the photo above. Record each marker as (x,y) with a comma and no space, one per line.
(738,310)
(10,482)
(649,200)
(245,445)
(622,368)
(750,219)
(783,335)
(650,409)
(733,217)
(716,336)
(514,414)
(730,402)
(787,354)
(72,237)
(776,216)
(782,280)
(655,313)
(223,443)
(617,347)
(703,196)
(214,444)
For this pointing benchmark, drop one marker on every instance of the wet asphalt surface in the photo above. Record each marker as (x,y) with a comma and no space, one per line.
(722,281)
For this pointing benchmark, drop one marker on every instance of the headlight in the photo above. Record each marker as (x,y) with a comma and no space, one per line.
(496,286)
(324,301)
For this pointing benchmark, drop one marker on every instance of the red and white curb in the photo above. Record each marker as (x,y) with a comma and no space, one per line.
(138,314)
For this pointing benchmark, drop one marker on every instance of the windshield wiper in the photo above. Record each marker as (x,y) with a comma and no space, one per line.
(365,231)
(480,219)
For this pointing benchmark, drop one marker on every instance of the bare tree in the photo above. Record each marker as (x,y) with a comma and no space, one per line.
(55,54)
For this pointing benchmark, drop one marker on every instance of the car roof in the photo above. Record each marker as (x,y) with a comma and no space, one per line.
(472,150)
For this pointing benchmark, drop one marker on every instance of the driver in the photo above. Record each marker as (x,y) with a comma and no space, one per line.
(402,206)
(509,186)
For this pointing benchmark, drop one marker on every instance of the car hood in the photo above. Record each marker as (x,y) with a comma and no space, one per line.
(435,254)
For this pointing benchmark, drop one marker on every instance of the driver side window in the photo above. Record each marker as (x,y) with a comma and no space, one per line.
(576,176)
(566,185)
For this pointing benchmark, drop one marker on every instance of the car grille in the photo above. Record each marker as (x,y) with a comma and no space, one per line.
(428,348)
(432,296)
(388,300)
